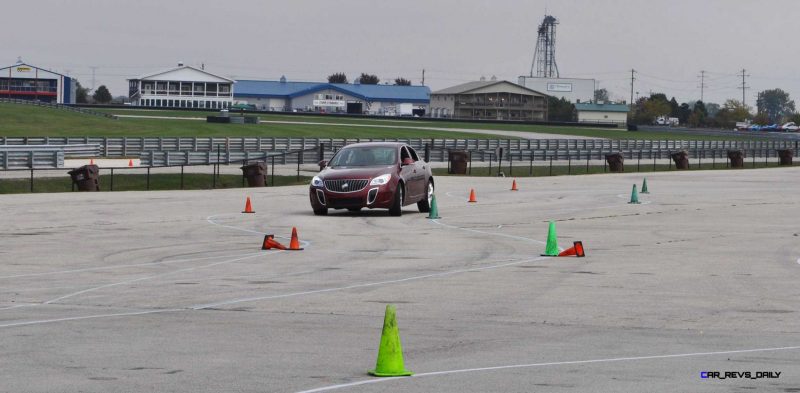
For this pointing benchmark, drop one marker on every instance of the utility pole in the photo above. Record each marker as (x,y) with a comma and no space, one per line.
(702,84)
(423,77)
(744,85)
(94,68)
(633,78)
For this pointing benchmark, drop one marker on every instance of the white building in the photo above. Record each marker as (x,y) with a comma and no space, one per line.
(573,90)
(181,87)
(602,113)
(26,82)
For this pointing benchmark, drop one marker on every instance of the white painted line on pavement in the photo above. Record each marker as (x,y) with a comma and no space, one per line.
(371,284)
(530,365)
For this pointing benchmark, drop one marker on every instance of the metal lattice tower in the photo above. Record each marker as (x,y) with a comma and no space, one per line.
(544,58)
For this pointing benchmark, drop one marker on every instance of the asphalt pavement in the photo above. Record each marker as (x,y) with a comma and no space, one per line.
(169,291)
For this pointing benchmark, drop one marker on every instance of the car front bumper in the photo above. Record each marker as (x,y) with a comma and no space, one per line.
(371,197)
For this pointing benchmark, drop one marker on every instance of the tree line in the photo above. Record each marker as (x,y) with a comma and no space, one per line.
(773,106)
(365,79)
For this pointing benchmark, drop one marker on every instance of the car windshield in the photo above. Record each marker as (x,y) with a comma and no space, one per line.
(365,156)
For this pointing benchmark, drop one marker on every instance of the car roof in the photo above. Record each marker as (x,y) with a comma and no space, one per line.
(384,144)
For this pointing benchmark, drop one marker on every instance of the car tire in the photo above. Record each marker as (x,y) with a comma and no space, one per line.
(397,204)
(424,205)
(321,212)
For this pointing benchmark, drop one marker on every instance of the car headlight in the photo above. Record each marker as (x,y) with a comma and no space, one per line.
(316,181)
(380,180)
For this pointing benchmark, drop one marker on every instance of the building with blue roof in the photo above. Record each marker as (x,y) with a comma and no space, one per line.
(283,95)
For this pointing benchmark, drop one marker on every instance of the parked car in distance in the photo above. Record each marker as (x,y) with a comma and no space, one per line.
(770,127)
(754,127)
(790,127)
(383,175)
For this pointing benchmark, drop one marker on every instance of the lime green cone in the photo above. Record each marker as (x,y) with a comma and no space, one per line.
(434,212)
(390,353)
(634,195)
(644,186)
(551,249)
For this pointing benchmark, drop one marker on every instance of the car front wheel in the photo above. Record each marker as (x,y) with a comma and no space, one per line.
(397,204)
(424,205)
(321,212)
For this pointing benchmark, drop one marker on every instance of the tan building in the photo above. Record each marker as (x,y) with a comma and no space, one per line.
(489,100)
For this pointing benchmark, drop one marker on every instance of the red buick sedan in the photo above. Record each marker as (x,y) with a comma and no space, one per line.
(383,175)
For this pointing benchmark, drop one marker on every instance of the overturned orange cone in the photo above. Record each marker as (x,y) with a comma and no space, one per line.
(248,208)
(576,250)
(472,198)
(270,243)
(514,185)
(294,244)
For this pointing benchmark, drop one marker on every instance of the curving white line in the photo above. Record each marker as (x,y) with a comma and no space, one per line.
(42,321)
(529,365)
(450,194)
(89,269)
(211,218)
(489,233)
(150,277)
(371,284)
(234,301)
(18,306)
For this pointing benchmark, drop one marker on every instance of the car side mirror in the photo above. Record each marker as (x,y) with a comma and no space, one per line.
(322,164)
(407,161)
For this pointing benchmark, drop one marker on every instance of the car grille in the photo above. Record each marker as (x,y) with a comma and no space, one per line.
(345,202)
(346,185)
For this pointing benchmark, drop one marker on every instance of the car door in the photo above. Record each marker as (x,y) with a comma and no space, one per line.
(417,179)
(408,173)
(421,173)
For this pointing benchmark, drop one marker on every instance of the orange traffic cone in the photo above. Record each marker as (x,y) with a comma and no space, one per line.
(514,185)
(294,244)
(91,161)
(248,208)
(472,195)
(576,249)
(130,163)
(270,243)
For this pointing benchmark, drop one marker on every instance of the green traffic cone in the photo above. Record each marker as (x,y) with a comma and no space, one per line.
(390,353)
(634,195)
(644,186)
(434,211)
(551,249)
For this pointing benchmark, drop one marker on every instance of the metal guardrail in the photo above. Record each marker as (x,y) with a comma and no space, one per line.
(564,155)
(532,163)
(58,106)
(41,156)
(271,160)
(18,159)
(167,158)
(137,146)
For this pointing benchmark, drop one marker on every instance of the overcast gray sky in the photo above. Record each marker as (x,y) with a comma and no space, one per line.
(667,42)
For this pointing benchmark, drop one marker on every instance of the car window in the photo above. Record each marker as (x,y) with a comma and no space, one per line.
(413,153)
(404,154)
(365,156)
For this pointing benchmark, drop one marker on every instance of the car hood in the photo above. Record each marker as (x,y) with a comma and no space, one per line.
(356,172)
